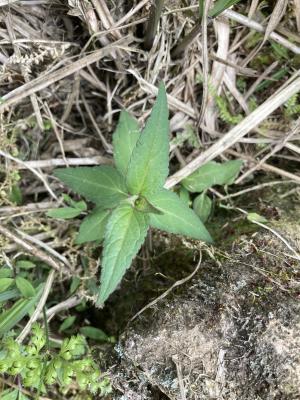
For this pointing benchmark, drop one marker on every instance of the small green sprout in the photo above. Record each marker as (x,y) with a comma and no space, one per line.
(131,197)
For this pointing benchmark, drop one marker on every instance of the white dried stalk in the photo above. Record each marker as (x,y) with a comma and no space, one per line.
(276,16)
(239,131)
(259,28)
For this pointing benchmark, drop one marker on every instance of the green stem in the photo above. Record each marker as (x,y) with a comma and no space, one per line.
(155,13)
(45,359)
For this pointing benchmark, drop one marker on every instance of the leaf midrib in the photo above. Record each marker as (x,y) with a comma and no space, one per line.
(97,184)
(122,240)
(142,185)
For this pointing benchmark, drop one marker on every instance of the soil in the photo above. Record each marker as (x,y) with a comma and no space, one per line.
(232,332)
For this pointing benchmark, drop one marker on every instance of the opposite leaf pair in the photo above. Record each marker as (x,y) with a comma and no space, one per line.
(131,197)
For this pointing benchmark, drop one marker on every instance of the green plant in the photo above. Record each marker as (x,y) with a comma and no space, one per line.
(222,104)
(292,106)
(131,197)
(207,176)
(20,289)
(39,366)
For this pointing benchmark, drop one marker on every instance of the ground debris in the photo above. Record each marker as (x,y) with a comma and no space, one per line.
(233,333)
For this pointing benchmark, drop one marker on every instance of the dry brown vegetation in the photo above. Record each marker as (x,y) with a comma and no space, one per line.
(67,68)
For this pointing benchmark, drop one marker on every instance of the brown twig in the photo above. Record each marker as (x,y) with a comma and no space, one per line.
(176,284)
(47,79)
(155,12)
(30,248)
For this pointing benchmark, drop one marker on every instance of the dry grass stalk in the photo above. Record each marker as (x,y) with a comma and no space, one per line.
(30,248)
(297,13)
(275,150)
(259,28)
(240,130)
(48,79)
(276,17)
(39,307)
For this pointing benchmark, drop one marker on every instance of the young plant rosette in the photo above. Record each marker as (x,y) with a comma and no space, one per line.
(130,197)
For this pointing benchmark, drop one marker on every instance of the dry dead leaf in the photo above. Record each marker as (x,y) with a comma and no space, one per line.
(275,18)
(297,13)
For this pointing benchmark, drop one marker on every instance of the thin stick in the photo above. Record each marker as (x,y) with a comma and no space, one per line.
(64,305)
(257,187)
(275,150)
(38,174)
(4,3)
(277,234)
(30,248)
(239,131)
(179,49)
(59,162)
(57,134)
(47,79)
(36,207)
(152,25)
(205,66)
(243,21)
(49,249)
(267,167)
(39,307)
(176,284)
(260,28)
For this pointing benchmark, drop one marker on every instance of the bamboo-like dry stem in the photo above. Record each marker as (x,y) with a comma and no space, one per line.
(155,13)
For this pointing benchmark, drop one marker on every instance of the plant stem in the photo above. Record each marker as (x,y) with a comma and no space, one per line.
(155,12)
(179,49)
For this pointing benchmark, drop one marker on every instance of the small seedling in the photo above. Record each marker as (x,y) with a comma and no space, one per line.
(131,197)
(38,365)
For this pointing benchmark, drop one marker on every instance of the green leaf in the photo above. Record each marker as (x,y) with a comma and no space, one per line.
(16,195)
(201,8)
(63,213)
(124,140)
(10,394)
(102,185)
(125,232)
(25,287)
(211,174)
(6,272)
(74,284)
(8,295)
(93,226)
(25,264)
(22,396)
(9,318)
(184,195)
(254,217)
(68,322)
(221,6)
(177,217)
(149,164)
(94,333)
(202,206)
(5,283)
(81,205)
(279,50)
